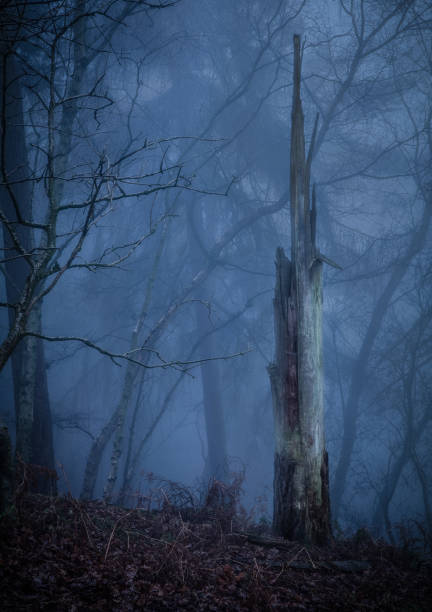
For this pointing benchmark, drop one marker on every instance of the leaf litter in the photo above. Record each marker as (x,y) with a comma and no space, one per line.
(58,553)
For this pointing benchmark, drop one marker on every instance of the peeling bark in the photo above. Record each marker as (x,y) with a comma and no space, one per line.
(301,496)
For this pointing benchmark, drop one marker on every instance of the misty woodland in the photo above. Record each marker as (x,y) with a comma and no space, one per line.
(215,305)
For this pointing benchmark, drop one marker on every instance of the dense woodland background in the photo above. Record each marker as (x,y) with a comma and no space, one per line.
(145,177)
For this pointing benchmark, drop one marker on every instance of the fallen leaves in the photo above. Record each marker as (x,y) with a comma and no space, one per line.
(62,554)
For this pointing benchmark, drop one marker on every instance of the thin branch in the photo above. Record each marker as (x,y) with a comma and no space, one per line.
(115,357)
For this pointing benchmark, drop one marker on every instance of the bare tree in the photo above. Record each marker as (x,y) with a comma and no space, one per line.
(47,66)
(301,495)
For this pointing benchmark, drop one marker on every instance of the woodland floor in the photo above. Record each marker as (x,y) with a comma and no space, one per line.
(61,554)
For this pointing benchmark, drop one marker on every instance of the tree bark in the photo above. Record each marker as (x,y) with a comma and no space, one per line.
(301,496)
(32,406)
(42,434)
(351,409)
(6,472)
(129,463)
(412,434)
(121,414)
(95,457)
(216,460)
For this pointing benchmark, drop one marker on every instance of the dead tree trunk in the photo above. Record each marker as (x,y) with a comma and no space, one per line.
(301,497)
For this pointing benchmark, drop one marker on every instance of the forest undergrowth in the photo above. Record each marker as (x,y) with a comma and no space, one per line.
(174,551)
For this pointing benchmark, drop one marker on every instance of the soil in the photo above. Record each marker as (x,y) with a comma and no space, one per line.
(60,554)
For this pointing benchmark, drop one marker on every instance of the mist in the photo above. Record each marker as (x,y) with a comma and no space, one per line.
(145,163)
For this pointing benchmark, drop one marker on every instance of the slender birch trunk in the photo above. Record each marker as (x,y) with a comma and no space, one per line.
(130,376)
(116,424)
(121,413)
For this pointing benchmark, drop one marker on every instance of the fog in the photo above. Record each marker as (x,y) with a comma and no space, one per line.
(159,134)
